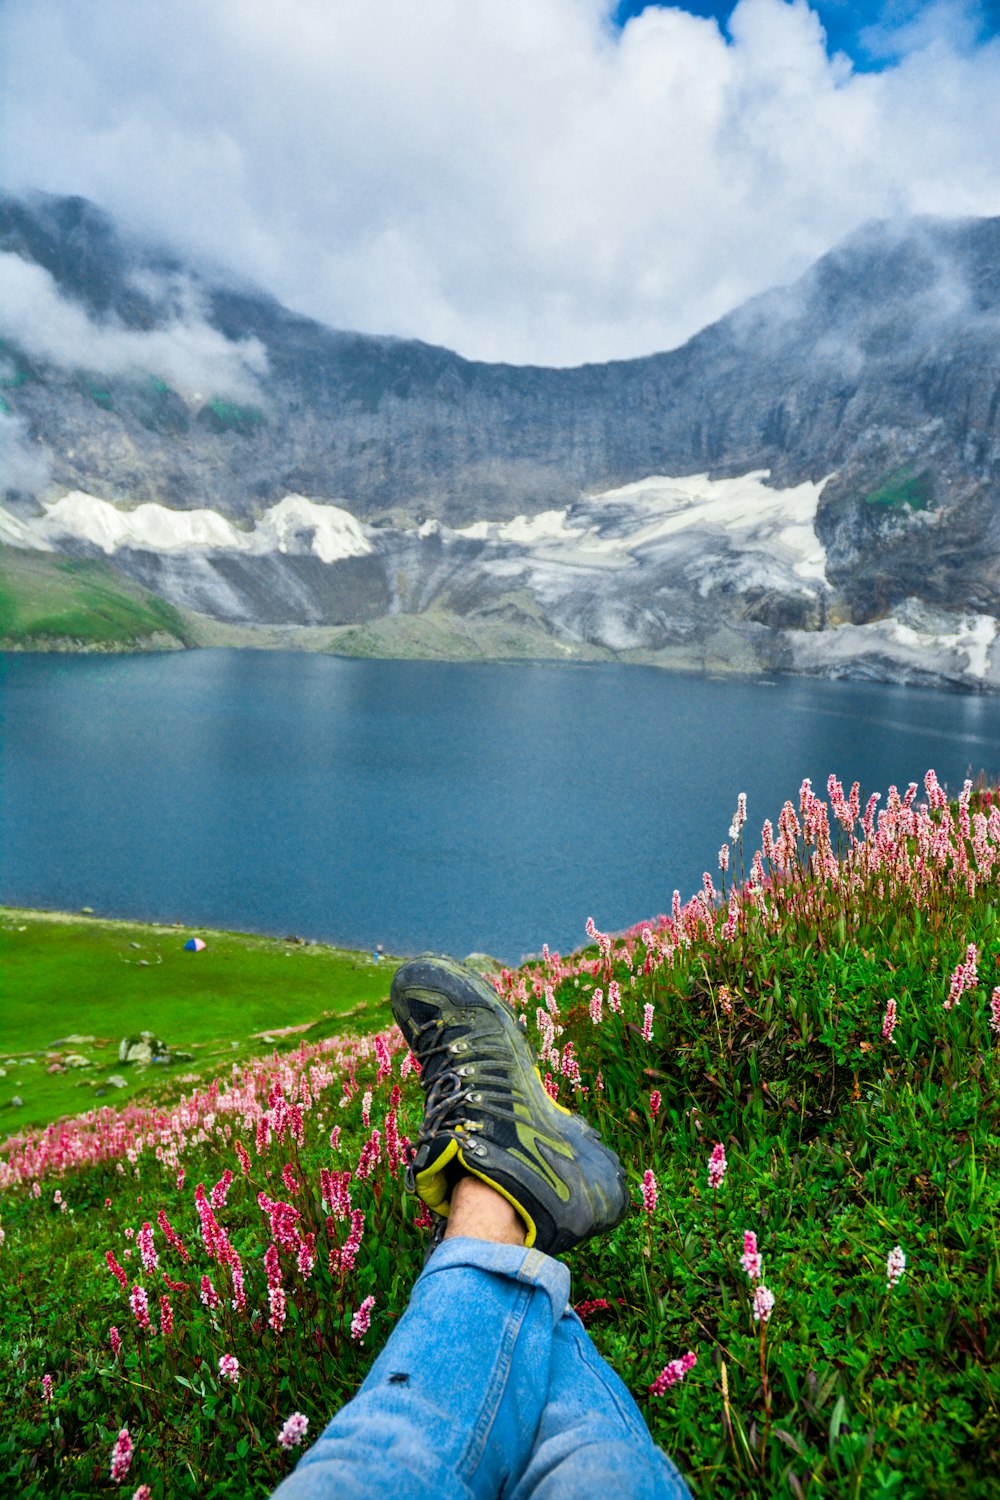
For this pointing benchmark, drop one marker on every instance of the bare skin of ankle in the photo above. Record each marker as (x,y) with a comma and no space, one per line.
(481,1213)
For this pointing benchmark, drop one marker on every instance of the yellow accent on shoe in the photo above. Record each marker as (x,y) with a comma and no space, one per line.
(432,1182)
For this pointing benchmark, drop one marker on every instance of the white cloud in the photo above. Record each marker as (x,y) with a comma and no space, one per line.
(187,353)
(510,177)
(23,470)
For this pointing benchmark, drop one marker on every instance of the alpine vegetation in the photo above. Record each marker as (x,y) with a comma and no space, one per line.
(799,1067)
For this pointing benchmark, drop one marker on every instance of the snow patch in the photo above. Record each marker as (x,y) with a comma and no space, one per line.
(294,525)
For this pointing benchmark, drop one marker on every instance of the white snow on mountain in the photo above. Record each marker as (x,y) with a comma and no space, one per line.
(294,525)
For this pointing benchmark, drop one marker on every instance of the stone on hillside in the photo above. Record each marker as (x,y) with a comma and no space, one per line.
(77,1060)
(3,1072)
(17,1102)
(116,1081)
(142,1048)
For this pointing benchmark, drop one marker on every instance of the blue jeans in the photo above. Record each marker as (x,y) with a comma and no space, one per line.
(489,1385)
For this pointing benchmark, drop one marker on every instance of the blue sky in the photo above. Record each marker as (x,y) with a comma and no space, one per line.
(871,35)
(515,179)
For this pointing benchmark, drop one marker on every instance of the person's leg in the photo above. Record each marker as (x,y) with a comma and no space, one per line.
(451,1406)
(592,1442)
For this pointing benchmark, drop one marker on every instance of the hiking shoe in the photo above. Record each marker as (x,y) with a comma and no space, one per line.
(486,1112)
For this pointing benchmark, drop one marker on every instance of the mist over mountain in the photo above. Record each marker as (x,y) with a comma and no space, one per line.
(867,392)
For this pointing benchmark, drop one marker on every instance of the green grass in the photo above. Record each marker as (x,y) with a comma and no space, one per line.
(904,487)
(765,1034)
(74,975)
(46,599)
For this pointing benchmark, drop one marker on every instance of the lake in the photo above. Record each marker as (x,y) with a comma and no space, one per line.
(417,804)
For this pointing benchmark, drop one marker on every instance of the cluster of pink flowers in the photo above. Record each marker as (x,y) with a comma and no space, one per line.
(763,1303)
(586,1310)
(895,1265)
(717,1165)
(121,1456)
(294,1430)
(654,1102)
(139,1303)
(964,977)
(751,1259)
(649,1192)
(229,1368)
(46,1387)
(673,1372)
(362,1319)
(889,1021)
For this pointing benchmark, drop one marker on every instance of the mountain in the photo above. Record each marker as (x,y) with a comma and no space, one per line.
(809,484)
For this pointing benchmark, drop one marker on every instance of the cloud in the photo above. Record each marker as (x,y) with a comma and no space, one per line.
(512,178)
(24,470)
(187,353)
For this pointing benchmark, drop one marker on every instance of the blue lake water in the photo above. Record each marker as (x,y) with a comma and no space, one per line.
(421,805)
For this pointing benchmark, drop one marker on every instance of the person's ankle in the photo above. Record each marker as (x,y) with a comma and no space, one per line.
(479,1212)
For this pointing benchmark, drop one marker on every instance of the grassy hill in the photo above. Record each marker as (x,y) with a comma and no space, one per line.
(802,1065)
(48,602)
(75,986)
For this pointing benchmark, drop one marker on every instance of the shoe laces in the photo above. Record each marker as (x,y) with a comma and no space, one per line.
(448,1091)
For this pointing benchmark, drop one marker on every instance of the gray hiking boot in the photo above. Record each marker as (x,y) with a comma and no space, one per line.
(486,1112)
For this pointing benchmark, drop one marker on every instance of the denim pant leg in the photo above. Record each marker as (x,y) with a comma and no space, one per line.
(474,1350)
(592,1442)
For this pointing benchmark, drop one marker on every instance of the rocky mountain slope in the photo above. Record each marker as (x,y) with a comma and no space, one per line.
(639,506)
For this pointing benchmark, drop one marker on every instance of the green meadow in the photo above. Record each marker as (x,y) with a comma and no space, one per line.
(101,981)
(799,1068)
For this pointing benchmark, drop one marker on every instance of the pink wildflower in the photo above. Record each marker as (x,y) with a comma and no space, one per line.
(366,1108)
(150,1259)
(717,1166)
(209,1296)
(278,1304)
(647,1023)
(229,1367)
(139,1303)
(724,858)
(889,1020)
(362,1319)
(351,1246)
(959,982)
(649,1191)
(166,1316)
(335,1138)
(763,1303)
(116,1270)
(244,1158)
(995,1009)
(614,995)
(673,1372)
(895,1265)
(220,1190)
(143,1493)
(751,1260)
(121,1456)
(586,1310)
(739,817)
(293,1431)
(725,999)
(171,1235)
(596,1004)
(46,1387)
(115,1340)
